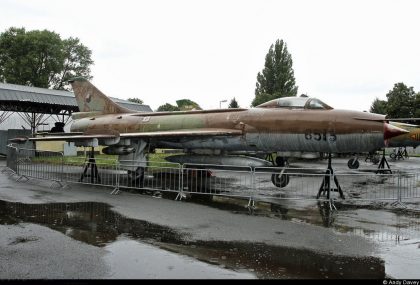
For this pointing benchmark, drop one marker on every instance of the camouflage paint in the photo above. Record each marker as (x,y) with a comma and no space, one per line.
(267,129)
(410,139)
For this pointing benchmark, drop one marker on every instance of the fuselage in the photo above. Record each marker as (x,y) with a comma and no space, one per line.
(409,139)
(270,130)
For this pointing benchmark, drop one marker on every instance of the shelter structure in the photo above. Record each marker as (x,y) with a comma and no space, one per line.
(35,105)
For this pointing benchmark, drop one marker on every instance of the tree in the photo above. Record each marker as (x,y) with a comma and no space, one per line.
(182,105)
(401,101)
(277,78)
(167,107)
(41,58)
(416,106)
(233,104)
(378,107)
(77,62)
(136,100)
(187,105)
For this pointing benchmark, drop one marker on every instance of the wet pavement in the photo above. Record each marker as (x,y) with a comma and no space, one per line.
(137,236)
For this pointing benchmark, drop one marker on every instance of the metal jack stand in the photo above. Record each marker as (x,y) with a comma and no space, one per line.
(326,182)
(94,175)
(381,167)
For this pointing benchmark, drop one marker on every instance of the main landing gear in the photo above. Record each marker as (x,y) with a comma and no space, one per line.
(353,163)
(136,177)
(281,179)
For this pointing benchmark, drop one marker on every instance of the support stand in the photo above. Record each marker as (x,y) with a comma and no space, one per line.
(269,157)
(326,182)
(381,168)
(94,175)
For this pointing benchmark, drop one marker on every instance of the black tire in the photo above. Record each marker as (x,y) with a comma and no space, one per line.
(280,161)
(280,180)
(353,163)
(393,156)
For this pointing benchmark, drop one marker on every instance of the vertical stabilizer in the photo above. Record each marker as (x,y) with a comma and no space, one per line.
(89,98)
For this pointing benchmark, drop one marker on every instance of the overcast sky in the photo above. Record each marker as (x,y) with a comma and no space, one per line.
(344,52)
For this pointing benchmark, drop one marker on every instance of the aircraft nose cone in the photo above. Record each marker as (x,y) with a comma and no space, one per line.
(391,131)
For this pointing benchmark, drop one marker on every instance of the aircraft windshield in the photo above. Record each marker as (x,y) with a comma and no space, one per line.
(296,103)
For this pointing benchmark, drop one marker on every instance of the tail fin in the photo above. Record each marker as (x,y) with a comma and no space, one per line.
(90,99)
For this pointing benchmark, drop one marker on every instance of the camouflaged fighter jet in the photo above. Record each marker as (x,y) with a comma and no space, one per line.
(287,124)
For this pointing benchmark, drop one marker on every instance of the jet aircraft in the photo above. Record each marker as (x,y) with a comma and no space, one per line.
(288,124)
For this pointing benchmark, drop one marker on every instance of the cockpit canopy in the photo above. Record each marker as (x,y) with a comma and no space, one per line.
(301,102)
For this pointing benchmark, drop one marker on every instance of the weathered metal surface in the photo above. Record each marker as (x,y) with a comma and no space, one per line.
(409,139)
(245,161)
(314,128)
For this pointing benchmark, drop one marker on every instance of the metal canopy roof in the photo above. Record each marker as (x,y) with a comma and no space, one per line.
(20,98)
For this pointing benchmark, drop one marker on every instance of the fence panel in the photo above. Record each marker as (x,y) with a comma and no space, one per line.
(369,185)
(296,183)
(157,176)
(206,179)
(98,173)
(46,165)
(11,161)
(209,179)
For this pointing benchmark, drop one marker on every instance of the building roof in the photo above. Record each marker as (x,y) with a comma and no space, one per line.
(20,98)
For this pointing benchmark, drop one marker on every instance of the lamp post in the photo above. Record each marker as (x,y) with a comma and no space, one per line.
(220,103)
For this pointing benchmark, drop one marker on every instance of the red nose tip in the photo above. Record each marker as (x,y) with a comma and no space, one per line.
(391,131)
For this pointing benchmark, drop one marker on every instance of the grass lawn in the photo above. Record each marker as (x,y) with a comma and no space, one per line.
(155,159)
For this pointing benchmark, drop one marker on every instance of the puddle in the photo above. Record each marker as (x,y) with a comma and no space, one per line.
(396,231)
(169,254)
(130,259)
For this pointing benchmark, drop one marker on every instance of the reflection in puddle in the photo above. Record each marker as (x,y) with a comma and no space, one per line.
(96,224)
(131,259)
(367,221)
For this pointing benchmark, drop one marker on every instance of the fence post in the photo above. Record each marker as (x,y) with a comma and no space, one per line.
(399,199)
(117,180)
(181,194)
(251,202)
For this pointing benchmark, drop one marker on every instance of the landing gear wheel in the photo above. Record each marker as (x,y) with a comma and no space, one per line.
(136,177)
(280,180)
(353,163)
(280,161)
(376,159)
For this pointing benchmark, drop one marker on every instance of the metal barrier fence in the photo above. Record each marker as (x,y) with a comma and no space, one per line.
(233,181)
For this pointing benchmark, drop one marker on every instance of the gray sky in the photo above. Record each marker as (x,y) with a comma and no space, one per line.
(344,52)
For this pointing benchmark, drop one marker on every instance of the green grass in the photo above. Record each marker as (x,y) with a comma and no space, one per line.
(155,160)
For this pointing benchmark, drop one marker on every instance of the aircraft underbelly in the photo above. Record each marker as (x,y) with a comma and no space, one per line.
(271,142)
(318,142)
(222,143)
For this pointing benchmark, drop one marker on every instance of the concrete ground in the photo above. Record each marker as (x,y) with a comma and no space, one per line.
(192,240)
